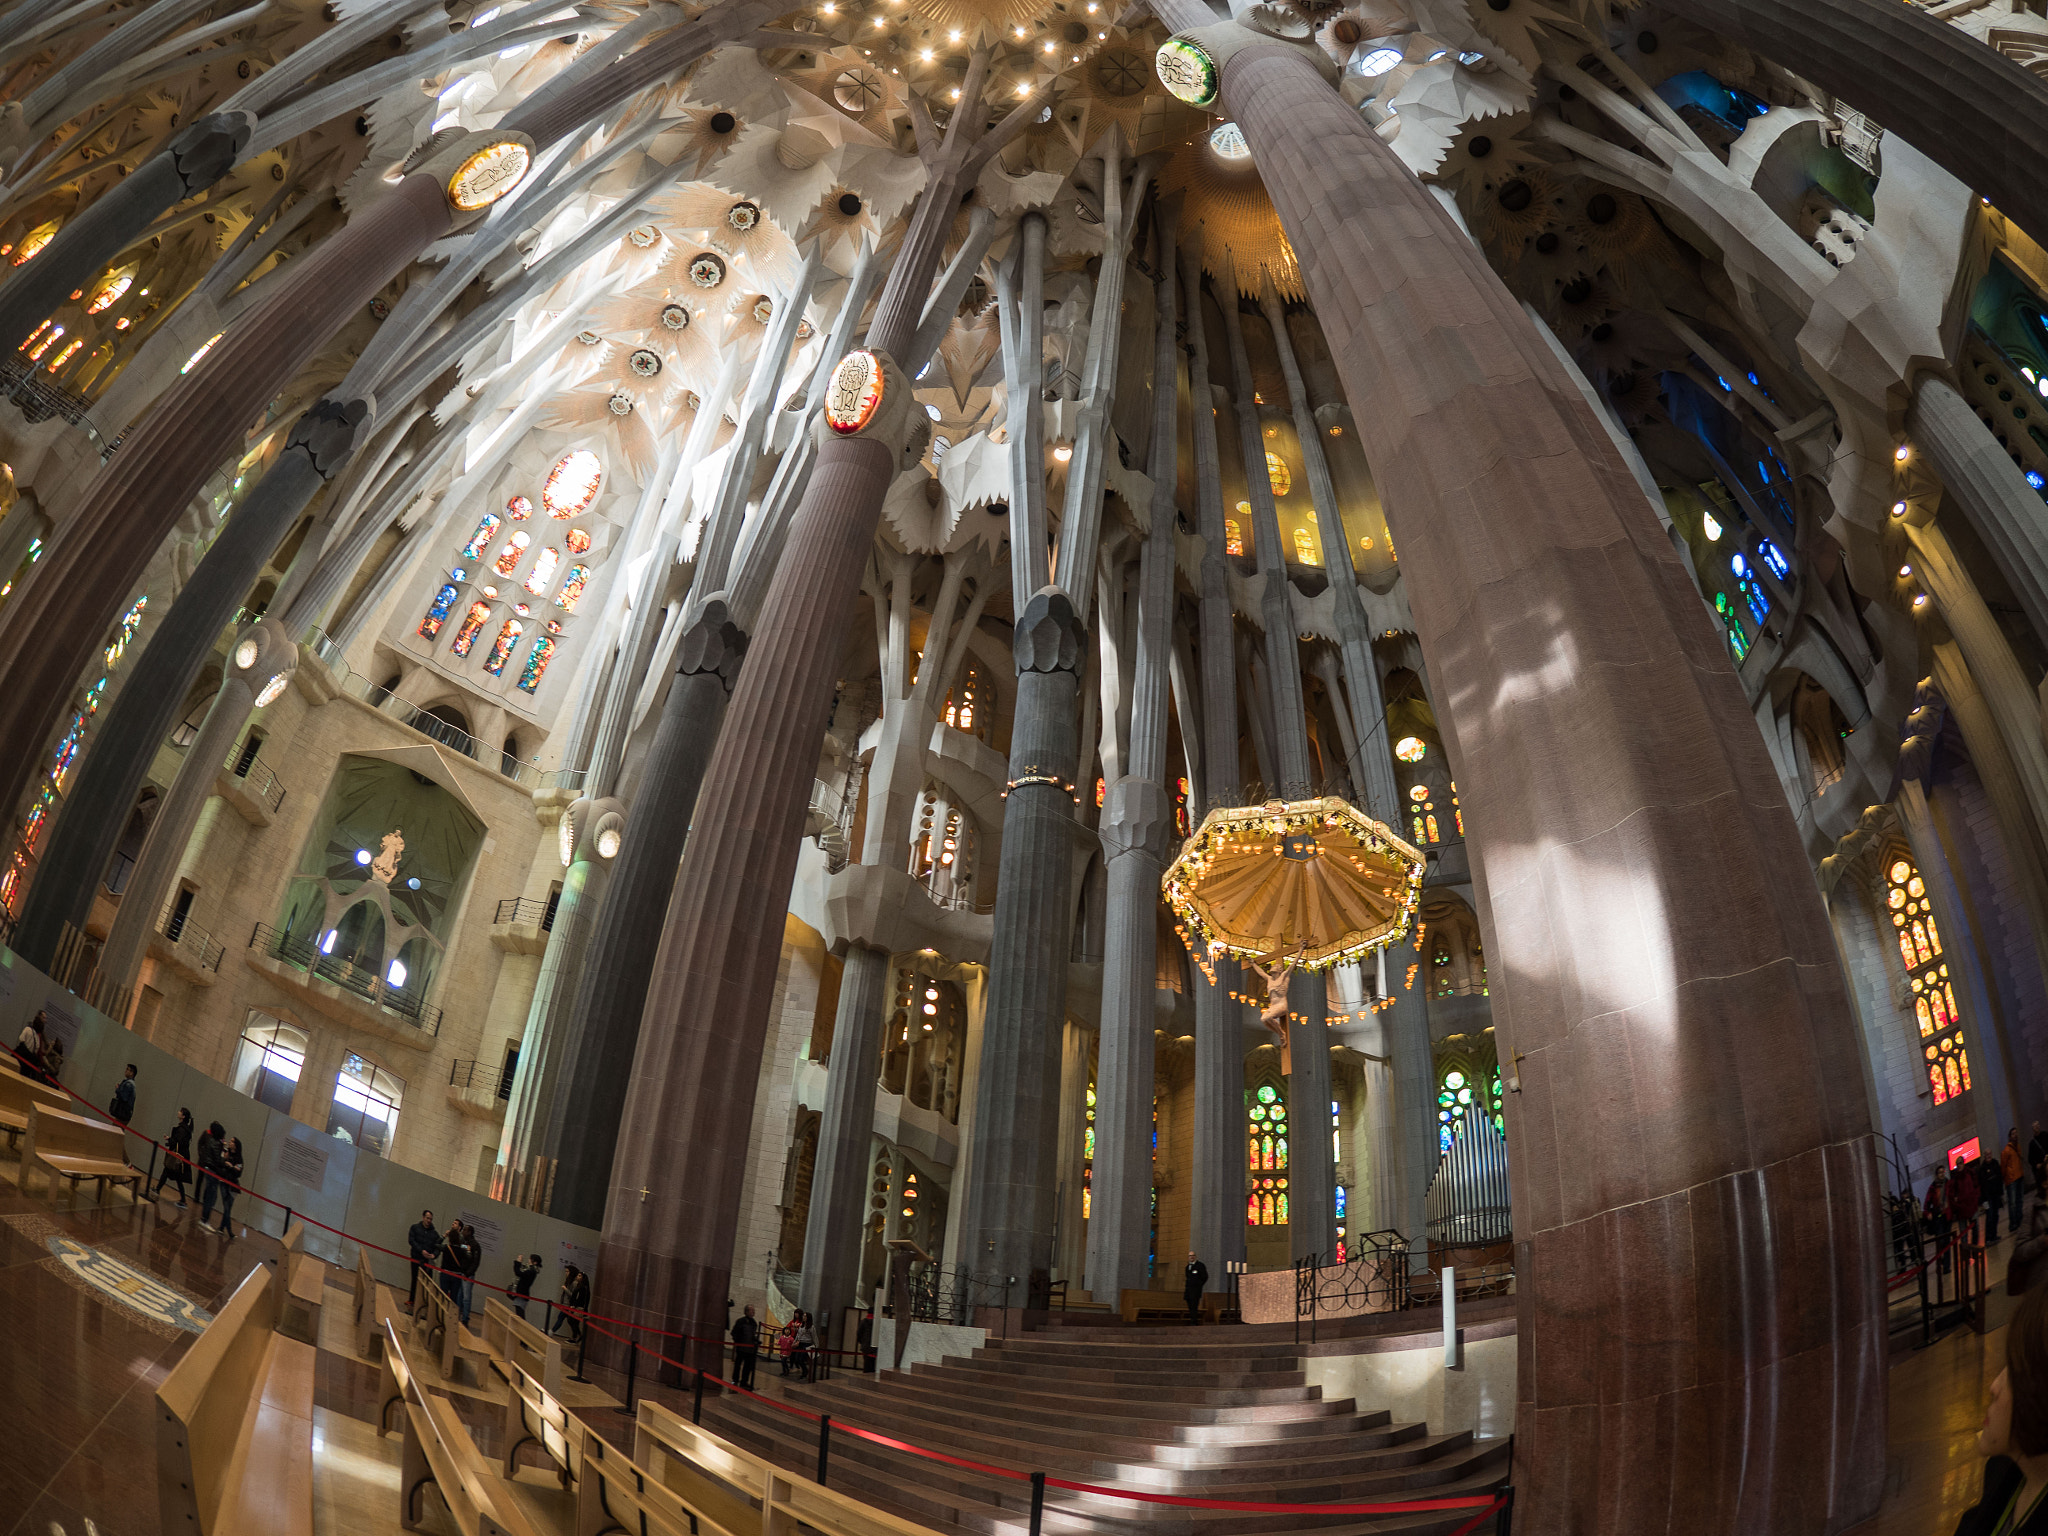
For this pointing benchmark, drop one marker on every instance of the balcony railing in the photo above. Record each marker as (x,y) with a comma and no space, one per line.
(525,909)
(482,1078)
(301,953)
(255,774)
(195,946)
(357,686)
(41,397)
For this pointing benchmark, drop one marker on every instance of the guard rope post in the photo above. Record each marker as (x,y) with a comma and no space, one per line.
(824,1446)
(697,1397)
(1504,1524)
(1037,1503)
(632,1370)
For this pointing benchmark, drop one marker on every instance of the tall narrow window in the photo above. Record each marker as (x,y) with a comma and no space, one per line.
(437,611)
(501,648)
(480,541)
(537,657)
(1934,995)
(572,588)
(1266,1157)
(543,571)
(510,555)
(472,625)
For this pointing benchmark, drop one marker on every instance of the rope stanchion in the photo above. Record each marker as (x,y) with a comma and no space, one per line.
(1485,1505)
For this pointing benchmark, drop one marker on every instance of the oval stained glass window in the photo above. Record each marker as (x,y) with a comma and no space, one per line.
(573,484)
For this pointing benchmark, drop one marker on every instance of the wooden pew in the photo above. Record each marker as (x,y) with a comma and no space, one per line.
(73,1147)
(234,1422)
(305,1279)
(17,1093)
(438,1326)
(374,1303)
(686,1458)
(512,1338)
(611,1492)
(438,1450)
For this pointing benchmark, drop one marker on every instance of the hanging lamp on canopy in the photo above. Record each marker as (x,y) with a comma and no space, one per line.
(1312,883)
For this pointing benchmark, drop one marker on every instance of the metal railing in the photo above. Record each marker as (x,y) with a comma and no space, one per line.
(40,398)
(940,1295)
(955,900)
(263,784)
(835,839)
(195,945)
(524,909)
(1373,1278)
(481,1077)
(300,952)
(357,686)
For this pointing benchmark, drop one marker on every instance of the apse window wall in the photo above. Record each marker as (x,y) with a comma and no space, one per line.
(365,1105)
(268,1061)
(1934,995)
(517,587)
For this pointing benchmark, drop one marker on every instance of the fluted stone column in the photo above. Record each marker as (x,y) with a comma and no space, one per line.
(1016,1105)
(590,1060)
(1658,1185)
(1983,481)
(1136,831)
(1216,1189)
(839,1185)
(153,694)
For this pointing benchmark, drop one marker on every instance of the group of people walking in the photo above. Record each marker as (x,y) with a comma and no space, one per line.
(217,1162)
(453,1258)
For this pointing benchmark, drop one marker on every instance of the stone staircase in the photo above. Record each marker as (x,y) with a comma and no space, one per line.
(1215,1413)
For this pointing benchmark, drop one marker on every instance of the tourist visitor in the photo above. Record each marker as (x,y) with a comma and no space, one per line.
(122,1106)
(423,1245)
(524,1272)
(30,1048)
(208,1158)
(1197,1279)
(746,1345)
(177,1156)
(2014,1436)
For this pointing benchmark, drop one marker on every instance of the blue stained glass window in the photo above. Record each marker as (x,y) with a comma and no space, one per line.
(1738,565)
(1340,1202)
(1759,605)
(536,662)
(437,613)
(1768,553)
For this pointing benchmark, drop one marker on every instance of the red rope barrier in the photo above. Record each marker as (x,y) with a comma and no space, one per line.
(1485,1504)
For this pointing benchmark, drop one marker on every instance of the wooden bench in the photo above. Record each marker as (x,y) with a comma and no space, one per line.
(234,1422)
(438,1450)
(438,1326)
(73,1147)
(17,1093)
(611,1492)
(512,1338)
(305,1279)
(706,1468)
(374,1302)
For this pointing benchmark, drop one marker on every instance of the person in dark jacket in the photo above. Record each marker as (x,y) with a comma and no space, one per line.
(1990,1195)
(1197,1281)
(122,1107)
(422,1244)
(746,1347)
(177,1157)
(228,1164)
(206,1157)
(574,1299)
(472,1260)
(2014,1438)
(524,1272)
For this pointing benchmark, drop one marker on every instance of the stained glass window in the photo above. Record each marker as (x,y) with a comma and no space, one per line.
(501,648)
(537,656)
(1266,1157)
(572,589)
(572,485)
(519,509)
(1935,1018)
(1305,552)
(1277,475)
(1737,641)
(1453,1093)
(480,541)
(438,610)
(1233,532)
(510,556)
(578,541)
(543,571)
(472,624)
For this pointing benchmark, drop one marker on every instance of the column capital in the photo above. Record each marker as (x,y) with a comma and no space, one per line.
(1049,634)
(714,644)
(1136,817)
(207,150)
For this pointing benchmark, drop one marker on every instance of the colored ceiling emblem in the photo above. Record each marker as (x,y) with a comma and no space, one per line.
(644,362)
(855,393)
(707,271)
(674,317)
(488,174)
(644,235)
(589,338)
(1187,71)
(620,404)
(764,310)
(743,216)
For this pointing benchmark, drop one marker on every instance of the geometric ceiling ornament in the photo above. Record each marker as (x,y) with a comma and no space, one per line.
(1312,883)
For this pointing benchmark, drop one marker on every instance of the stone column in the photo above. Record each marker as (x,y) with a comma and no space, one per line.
(839,1187)
(1023,324)
(1137,827)
(153,693)
(1654,1178)
(1216,1184)
(1070,1259)
(591,1057)
(51,627)
(1016,1104)
(1985,483)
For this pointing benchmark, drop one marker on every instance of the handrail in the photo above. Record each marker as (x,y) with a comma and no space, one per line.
(268,788)
(303,954)
(181,933)
(483,1076)
(525,909)
(503,763)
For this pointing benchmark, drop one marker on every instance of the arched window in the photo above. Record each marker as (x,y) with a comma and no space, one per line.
(1233,529)
(267,1062)
(1266,1157)
(514,550)
(1305,551)
(1934,995)
(480,541)
(472,625)
(501,648)
(437,611)
(365,1105)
